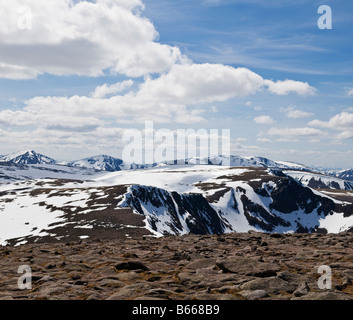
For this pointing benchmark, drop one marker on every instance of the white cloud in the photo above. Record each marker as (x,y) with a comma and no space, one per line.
(290,86)
(263,140)
(59,122)
(347,134)
(81,37)
(293,113)
(198,83)
(340,121)
(174,96)
(291,133)
(105,90)
(111,36)
(264,119)
(127,108)
(164,99)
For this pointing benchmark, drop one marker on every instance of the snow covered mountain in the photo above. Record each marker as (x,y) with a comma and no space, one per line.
(73,203)
(27,157)
(102,197)
(238,161)
(111,164)
(346,174)
(319,180)
(100,162)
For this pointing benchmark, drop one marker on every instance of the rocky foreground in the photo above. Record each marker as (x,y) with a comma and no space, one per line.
(229,267)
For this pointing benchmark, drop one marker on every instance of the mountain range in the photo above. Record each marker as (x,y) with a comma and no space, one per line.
(111,164)
(102,197)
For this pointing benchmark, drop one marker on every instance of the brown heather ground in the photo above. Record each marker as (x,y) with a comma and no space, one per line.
(192,267)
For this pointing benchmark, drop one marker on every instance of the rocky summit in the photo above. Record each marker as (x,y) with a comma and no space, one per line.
(234,266)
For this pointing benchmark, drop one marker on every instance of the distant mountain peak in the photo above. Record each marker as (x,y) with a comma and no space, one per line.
(99,162)
(27,157)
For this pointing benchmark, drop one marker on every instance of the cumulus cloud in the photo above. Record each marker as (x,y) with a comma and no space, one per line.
(81,37)
(48,121)
(290,86)
(263,140)
(163,99)
(197,83)
(173,96)
(94,38)
(264,120)
(340,121)
(105,90)
(293,113)
(346,134)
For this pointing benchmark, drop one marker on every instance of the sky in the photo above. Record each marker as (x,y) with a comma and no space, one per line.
(75,75)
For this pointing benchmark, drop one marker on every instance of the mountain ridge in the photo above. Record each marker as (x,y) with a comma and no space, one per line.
(106,162)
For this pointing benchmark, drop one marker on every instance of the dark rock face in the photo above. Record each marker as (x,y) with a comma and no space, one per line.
(289,196)
(199,216)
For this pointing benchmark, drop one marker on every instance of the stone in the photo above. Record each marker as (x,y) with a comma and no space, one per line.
(270,285)
(326,295)
(210,296)
(8,297)
(182,267)
(302,289)
(254,294)
(130,291)
(248,266)
(128,276)
(131,265)
(201,264)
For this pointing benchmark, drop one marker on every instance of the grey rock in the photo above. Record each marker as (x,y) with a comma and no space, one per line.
(210,296)
(130,291)
(326,295)
(248,266)
(254,294)
(270,285)
(302,289)
(201,264)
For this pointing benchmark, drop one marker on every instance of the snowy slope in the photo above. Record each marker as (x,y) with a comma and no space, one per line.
(346,174)
(320,181)
(100,162)
(289,165)
(10,172)
(61,203)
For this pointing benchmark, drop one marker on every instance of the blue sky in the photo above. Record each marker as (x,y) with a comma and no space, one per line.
(85,71)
